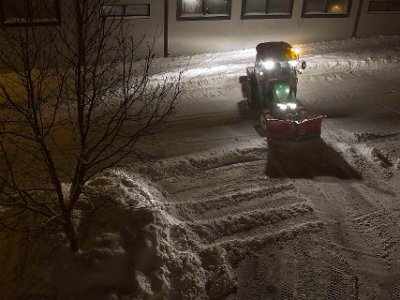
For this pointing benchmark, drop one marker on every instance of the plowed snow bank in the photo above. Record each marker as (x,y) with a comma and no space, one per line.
(126,252)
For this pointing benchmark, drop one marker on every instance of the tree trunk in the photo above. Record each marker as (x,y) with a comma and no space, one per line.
(70,233)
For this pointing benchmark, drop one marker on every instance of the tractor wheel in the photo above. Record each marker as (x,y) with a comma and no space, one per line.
(249,93)
(263,122)
(249,100)
(264,116)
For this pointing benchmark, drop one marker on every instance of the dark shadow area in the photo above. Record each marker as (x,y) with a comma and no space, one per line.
(243,84)
(259,130)
(330,111)
(306,159)
(245,111)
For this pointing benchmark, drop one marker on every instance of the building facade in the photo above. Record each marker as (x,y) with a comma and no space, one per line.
(198,26)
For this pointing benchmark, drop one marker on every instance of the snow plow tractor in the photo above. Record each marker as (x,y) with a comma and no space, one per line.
(272,89)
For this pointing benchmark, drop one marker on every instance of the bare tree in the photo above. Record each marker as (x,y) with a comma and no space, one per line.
(76,101)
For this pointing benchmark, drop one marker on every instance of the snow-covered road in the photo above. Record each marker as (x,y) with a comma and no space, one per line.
(309,220)
(348,80)
(215,211)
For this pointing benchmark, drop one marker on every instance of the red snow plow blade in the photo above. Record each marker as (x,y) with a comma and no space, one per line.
(294,130)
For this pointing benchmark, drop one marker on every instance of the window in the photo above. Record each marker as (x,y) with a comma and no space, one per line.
(326,8)
(384,6)
(126,10)
(267,9)
(29,12)
(200,9)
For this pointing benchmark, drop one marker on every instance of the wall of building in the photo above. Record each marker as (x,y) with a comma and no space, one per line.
(377,23)
(152,27)
(199,36)
(196,36)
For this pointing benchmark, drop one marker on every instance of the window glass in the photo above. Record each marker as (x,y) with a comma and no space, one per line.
(267,7)
(216,7)
(394,6)
(113,10)
(384,6)
(328,7)
(255,7)
(204,8)
(337,6)
(315,6)
(133,10)
(43,10)
(279,6)
(192,7)
(15,11)
(377,6)
(29,12)
(137,10)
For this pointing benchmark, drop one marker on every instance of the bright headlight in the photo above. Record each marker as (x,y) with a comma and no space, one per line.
(296,51)
(282,106)
(293,63)
(287,105)
(269,64)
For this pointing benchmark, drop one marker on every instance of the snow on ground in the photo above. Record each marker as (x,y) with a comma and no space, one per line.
(127,252)
(222,213)
(355,82)
(310,220)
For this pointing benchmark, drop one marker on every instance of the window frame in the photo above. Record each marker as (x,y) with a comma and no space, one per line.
(382,11)
(304,14)
(30,21)
(127,17)
(203,17)
(266,15)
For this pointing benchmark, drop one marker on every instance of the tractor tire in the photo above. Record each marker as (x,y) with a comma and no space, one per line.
(264,115)
(263,122)
(250,103)
(249,93)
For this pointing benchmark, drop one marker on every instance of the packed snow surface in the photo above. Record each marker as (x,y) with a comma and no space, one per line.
(310,220)
(216,211)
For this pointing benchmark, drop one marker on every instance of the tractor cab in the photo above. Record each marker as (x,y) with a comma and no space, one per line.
(277,63)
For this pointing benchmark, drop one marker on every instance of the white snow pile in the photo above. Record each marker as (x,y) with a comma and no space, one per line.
(126,253)
(372,147)
(375,155)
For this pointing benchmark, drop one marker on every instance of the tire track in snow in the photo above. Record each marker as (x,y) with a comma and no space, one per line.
(340,206)
(235,202)
(228,227)
(380,228)
(225,217)
(235,206)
